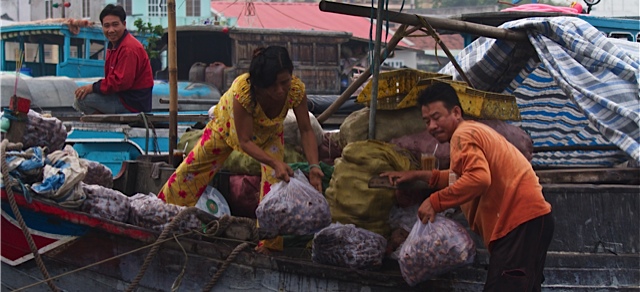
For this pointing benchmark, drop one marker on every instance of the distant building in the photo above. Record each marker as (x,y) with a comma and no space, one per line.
(188,12)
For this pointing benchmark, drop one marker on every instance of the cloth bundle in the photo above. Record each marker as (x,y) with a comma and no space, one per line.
(97,174)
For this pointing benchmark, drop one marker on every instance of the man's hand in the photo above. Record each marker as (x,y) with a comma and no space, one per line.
(315,178)
(426,212)
(396,177)
(81,92)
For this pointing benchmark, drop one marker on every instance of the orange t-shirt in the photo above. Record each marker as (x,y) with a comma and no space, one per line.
(496,187)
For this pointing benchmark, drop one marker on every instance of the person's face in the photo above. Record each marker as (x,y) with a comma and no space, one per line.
(113,28)
(280,89)
(441,122)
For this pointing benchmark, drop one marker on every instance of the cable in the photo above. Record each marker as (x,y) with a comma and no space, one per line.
(318,27)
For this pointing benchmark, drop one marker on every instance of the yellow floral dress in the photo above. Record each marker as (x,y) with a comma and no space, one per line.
(188,182)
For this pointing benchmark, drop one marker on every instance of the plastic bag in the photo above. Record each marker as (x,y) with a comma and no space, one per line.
(295,208)
(212,202)
(435,248)
(348,246)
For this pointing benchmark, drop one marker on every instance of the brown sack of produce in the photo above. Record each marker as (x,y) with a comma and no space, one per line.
(435,248)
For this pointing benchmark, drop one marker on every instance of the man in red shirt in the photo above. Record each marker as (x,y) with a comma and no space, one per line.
(128,79)
(494,185)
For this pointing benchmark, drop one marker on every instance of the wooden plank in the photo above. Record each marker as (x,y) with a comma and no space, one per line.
(590,176)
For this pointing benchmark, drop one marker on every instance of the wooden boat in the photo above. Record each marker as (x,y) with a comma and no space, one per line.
(591,250)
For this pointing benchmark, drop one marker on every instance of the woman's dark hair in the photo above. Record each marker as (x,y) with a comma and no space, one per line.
(440,91)
(115,10)
(266,64)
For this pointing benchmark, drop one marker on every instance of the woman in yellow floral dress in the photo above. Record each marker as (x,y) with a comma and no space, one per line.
(249,118)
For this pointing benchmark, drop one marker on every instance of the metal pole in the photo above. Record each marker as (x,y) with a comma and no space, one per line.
(437,23)
(391,45)
(63,10)
(376,70)
(173,79)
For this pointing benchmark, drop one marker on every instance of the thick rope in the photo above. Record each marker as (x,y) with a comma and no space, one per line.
(152,253)
(16,212)
(225,265)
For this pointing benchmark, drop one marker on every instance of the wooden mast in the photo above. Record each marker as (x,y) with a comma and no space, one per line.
(173,79)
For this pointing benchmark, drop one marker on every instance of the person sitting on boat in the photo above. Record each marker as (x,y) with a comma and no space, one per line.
(249,118)
(128,79)
(494,185)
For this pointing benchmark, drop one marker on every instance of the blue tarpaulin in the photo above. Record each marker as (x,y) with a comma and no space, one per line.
(575,88)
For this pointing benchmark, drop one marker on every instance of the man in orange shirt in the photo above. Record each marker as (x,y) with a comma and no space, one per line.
(496,188)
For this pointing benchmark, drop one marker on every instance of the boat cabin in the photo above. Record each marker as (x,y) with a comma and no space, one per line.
(54,49)
(216,54)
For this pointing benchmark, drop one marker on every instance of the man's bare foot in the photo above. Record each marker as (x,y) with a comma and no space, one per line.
(263,250)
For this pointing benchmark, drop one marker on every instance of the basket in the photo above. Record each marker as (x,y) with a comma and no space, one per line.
(393,87)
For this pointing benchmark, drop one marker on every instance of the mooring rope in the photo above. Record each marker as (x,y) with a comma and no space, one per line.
(220,225)
(16,212)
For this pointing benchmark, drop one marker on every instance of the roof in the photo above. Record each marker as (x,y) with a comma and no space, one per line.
(298,16)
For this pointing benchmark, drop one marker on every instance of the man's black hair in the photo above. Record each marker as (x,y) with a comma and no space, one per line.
(443,92)
(115,10)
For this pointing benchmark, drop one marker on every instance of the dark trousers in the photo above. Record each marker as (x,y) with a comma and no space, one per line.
(517,259)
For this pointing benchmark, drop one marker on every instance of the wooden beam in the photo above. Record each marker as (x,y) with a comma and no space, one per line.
(436,22)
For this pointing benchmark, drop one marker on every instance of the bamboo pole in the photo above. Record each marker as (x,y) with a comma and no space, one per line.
(437,23)
(173,79)
(391,45)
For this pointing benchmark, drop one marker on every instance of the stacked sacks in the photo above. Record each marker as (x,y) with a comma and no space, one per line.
(349,196)
(293,208)
(150,212)
(391,124)
(44,132)
(105,203)
(292,133)
(97,174)
(348,246)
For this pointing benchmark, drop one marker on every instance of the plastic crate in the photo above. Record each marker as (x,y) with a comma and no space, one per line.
(394,86)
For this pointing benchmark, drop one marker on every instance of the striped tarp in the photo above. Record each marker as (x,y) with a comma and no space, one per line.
(576,89)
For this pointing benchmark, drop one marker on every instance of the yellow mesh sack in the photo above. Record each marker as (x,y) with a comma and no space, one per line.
(350,199)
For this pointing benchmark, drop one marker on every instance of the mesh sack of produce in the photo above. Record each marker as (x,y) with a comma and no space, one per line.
(293,208)
(435,248)
(105,203)
(44,132)
(152,213)
(346,245)
(97,174)
(349,196)
(390,124)
(292,133)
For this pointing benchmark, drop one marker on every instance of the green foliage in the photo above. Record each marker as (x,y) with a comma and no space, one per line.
(153,33)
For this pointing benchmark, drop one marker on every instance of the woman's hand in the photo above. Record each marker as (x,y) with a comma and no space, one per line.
(81,92)
(283,171)
(315,178)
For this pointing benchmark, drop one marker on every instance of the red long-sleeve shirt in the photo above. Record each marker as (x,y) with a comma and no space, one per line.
(127,73)
(497,189)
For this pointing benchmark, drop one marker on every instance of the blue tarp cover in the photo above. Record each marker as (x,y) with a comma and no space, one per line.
(577,87)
